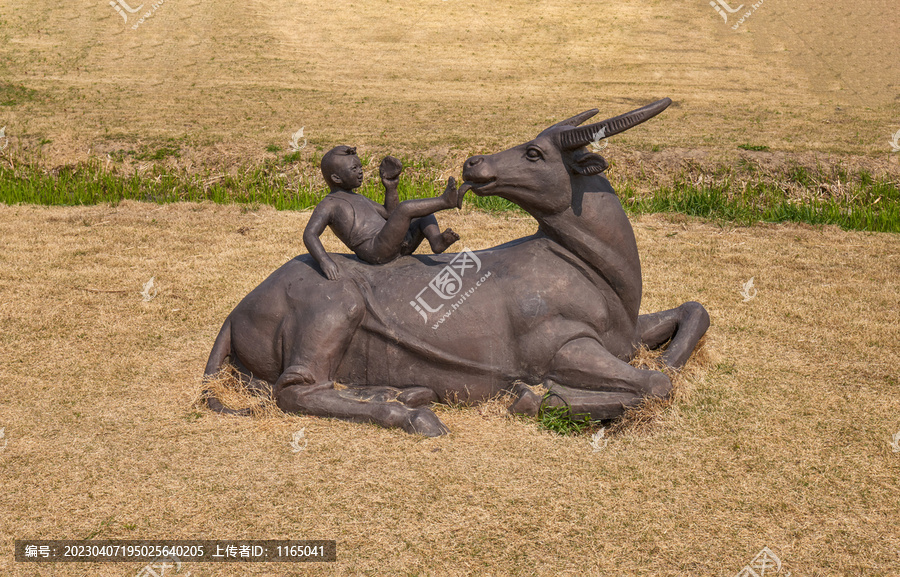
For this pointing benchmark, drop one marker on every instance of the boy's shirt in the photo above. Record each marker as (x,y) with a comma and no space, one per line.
(361,214)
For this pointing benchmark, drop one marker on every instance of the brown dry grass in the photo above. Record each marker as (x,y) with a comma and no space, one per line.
(781,440)
(641,420)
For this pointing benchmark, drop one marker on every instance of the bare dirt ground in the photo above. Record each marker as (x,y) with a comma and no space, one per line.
(781,439)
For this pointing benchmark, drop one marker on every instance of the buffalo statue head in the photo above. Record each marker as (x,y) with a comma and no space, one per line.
(541,174)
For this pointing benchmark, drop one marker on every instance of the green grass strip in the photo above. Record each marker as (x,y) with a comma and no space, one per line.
(89,183)
(869,204)
(874,207)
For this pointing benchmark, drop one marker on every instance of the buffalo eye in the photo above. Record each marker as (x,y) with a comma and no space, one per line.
(533,154)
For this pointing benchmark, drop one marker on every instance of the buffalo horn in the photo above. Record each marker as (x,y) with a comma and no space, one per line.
(573,121)
(581,136)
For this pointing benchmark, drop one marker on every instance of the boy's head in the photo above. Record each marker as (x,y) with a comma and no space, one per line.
(342,169)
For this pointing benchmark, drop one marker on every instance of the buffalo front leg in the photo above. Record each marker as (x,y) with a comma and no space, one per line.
(598,405)
(590,379)
(409,396)
(324,400)
(683,327)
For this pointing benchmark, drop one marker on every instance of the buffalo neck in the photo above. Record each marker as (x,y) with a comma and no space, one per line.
(601,236)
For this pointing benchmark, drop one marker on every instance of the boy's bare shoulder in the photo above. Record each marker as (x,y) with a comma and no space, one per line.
(330,204)
(327,202)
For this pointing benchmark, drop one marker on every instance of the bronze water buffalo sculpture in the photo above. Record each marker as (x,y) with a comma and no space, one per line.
(558,308)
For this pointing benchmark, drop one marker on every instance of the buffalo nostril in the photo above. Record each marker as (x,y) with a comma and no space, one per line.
(474,160)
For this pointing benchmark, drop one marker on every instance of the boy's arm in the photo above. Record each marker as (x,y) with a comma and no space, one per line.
(319,220)
(390,177)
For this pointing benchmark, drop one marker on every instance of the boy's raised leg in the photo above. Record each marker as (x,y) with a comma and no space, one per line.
(387,243)
(439,241)
(427,227)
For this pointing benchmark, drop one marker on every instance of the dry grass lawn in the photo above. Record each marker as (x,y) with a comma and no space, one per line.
(444,79)
(781,439)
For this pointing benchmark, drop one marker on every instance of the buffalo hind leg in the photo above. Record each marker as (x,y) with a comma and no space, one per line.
(590,379)
(298,395)
(683,327)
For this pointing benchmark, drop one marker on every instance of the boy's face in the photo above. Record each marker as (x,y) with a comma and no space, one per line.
(350,172)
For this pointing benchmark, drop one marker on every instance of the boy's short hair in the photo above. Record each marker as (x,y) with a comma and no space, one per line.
(333,158)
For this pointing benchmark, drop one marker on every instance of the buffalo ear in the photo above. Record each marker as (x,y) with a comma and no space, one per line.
(589,163)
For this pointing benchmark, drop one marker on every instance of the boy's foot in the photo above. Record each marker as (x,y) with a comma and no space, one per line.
(447,238)
(454,196)
(390,168)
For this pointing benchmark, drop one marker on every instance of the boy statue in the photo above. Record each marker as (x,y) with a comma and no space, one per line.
(376,234)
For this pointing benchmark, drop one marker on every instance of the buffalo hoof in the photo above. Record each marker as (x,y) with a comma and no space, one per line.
(216,405)
(527,401)
(660,386)
(425,422)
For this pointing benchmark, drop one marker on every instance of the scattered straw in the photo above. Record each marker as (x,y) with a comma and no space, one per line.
(645,417)
(230,387)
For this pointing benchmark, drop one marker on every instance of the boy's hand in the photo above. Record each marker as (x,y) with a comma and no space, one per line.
(390,168)
(330,269)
